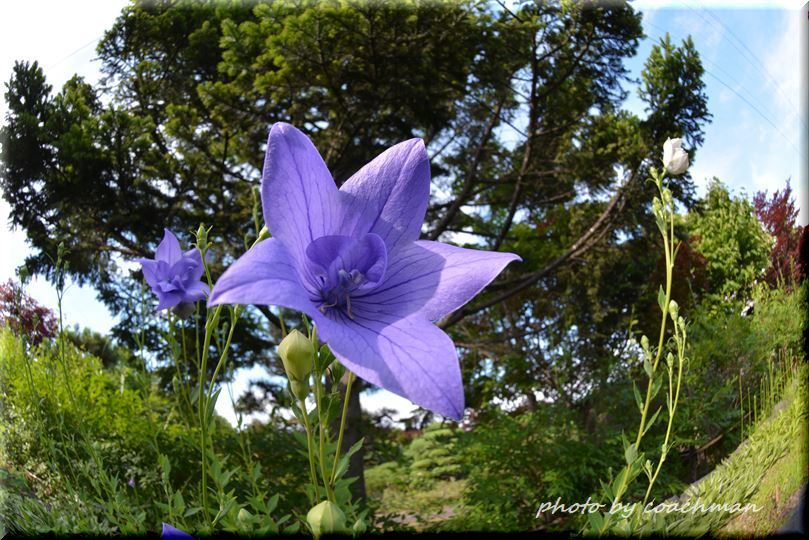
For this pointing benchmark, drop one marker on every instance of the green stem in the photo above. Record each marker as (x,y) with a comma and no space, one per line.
(342,427)
(210,324)
(322,433)
(310,445)
(672,408)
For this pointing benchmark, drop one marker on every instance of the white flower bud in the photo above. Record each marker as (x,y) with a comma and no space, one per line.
(675,159)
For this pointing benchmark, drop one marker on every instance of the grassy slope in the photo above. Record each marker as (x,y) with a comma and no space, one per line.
(768,469)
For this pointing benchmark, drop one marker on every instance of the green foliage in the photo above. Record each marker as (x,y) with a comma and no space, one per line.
(515,463)
(732,239)
(100,451)
(102,347)
(433,456)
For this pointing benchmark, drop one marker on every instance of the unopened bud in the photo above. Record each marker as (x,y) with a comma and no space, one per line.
(644,342)
(244,515)
(667,198)
(657,206)
(673,308)
(326,518)
(298,356)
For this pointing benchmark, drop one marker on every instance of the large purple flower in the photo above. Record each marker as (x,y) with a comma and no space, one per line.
(351,260)
(174,276)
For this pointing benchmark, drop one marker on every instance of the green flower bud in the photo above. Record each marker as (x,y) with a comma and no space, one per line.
(244,516)
(644,342)
(202,237)
(657,206)
(298,355)
(667,197)
(673,308)
(326,518)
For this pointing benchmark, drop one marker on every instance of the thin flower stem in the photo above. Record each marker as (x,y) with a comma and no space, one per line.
(673,400)
(210,324)
(281,320)
(342,428)
(669,255)
(322,433)
(310,440)
(224,355)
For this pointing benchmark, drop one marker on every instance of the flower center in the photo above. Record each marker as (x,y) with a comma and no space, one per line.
(341,268)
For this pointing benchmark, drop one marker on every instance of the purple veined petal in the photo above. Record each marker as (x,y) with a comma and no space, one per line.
(298,194)
(433,279)
(173,533)
(150,271)
(410,357)
(169,248)
(389,195)
(168,299)
(196,291)
(264,275)
(196,257)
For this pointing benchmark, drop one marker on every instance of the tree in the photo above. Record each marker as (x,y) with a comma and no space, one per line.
(23,315)
(779,215)
(732,240)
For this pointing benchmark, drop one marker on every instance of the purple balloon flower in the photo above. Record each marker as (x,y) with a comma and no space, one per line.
(173,533)
(351,260)
(173,275)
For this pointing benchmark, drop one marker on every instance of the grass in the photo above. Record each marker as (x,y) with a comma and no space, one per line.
(779,490)
(766,470)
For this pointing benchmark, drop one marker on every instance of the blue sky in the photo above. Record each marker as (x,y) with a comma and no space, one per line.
(757,139)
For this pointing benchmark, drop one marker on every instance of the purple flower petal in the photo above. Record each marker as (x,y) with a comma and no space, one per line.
(199,268)
(433,279)
(389,195)
(168,299)
(264,275)
(149,267)
(169,248)
(298,193)
(410,357)
(173,533)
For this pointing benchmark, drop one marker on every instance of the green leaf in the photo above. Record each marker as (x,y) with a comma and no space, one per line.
(661,299)
(630,454)
(638,400)
(652,420)
(596,521)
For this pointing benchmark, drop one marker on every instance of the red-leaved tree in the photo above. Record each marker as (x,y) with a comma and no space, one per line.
(24,315)
(778,215)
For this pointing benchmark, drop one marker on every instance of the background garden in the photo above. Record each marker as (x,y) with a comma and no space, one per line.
(520,107)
